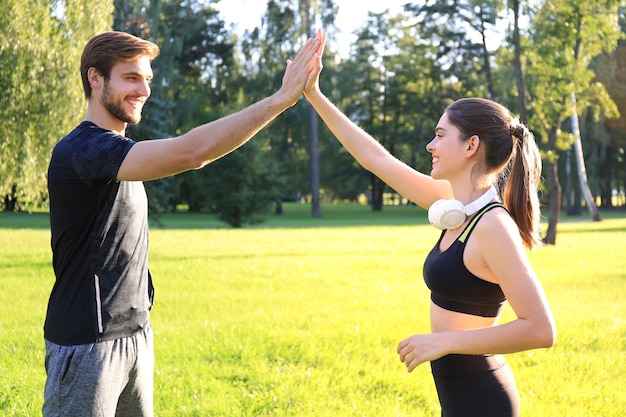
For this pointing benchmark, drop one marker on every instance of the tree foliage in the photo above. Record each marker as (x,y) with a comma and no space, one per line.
(193,78)
(559,65)
(42,97)
(400,74)
(292,138)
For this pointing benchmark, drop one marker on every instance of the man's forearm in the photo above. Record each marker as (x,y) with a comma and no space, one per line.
(213,140)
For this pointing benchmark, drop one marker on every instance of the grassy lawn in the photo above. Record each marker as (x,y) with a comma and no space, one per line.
(301,317)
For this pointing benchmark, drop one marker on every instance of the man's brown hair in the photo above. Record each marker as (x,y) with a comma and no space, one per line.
(105,50)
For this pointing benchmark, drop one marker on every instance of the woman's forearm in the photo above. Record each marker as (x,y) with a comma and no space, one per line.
(515,336)
(365,149)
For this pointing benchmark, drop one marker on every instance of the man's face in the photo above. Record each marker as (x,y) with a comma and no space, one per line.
(127,89)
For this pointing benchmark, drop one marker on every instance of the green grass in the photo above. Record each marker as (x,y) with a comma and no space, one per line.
(301,316)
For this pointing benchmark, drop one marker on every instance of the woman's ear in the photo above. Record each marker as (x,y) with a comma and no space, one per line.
(473,143)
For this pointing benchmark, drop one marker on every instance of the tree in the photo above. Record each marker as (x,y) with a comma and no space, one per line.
(265,50)
(589,20)
(554,71)
(375,44)
(193,78)
(580,162)
(242,186)
(405,70)
(293,137)
(519,72)
(41,101)
(611,72)
(449,25)
(316,210)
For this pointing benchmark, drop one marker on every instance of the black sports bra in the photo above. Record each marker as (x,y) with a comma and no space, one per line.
(453,287)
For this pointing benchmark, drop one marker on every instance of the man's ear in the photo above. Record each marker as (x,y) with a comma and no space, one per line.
(473,143)
(94,77)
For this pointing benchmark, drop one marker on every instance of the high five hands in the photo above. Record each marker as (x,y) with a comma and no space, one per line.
(304,70)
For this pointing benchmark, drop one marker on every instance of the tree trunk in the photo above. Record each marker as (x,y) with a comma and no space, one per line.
(554,187)
(519,78)
(580,164)
(278,209)
(490,86)
(316,210)
(605,177)
(572,196)
(378,189)
(624,176)
(10,200)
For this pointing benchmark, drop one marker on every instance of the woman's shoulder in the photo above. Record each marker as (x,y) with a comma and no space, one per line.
(497,228)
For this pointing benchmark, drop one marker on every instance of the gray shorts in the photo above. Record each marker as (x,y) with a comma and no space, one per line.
(106,379)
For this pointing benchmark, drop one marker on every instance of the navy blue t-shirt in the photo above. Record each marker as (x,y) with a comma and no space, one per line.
(103,289)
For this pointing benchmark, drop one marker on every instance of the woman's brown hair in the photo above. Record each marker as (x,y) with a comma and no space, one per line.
(510,153)
(106,49)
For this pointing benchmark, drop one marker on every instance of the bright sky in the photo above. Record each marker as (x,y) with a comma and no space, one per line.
(246,14)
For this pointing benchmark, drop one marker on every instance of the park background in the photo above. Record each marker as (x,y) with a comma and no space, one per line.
(559,64)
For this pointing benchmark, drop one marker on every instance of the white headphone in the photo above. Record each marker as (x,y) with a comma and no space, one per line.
(450,214)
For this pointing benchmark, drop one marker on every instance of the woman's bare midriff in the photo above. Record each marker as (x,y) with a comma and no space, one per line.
(442,320)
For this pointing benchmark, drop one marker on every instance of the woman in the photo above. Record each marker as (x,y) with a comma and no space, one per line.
(477,264)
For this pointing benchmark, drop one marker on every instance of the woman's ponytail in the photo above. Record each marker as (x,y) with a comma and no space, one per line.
(521,190)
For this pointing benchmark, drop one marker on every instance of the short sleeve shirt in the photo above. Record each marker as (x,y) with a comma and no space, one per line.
(99,239)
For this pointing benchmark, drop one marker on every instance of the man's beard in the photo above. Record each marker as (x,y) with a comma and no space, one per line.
(116,108)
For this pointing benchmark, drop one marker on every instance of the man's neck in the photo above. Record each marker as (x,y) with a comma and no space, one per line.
(101,117)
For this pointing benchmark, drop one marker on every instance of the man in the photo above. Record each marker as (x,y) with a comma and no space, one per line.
(99,350)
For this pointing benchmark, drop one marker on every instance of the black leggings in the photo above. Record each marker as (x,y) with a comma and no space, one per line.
(475,386)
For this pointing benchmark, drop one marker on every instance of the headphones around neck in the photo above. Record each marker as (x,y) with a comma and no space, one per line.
(450,214)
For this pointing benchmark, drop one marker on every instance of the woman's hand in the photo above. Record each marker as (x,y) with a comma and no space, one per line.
(312,82)
(420,348)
